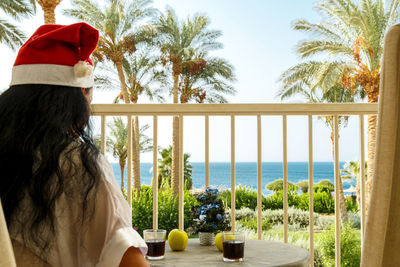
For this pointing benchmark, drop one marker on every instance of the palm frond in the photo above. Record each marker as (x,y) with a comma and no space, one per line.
(11,35)
(86,10)
(313,47)
(322,30)
(18,9)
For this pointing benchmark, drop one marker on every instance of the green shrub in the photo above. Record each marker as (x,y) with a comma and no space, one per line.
(295,216)
(328,184)
(322,188)
(251,223)
(354,219)
(323,201)
(244,213)
(142,209)
(351,203)
(305,243)
(245,197)
(278,185)
(350,246)
(324,222)
(275,201)
(303,201)
(303,186)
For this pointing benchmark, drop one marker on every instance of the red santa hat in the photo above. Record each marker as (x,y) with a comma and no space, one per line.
(57,55)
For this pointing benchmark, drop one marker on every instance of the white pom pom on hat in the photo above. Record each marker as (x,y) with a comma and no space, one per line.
(57,55)
(82,69)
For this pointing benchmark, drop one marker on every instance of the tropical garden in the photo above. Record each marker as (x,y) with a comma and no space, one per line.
(145,53)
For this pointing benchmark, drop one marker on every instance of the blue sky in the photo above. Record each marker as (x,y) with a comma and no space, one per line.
(257,39)
(259,42)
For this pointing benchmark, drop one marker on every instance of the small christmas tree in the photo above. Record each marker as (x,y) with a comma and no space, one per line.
(209,213)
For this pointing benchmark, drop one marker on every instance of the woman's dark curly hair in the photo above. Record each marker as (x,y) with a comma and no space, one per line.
(38,123)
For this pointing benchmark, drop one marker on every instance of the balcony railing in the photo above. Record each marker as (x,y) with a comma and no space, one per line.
(257,110)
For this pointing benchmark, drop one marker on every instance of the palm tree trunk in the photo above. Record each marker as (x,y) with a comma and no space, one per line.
(373,96)
(371,155)
(342,200)
(135,143)
(49,7)
(343,210)
(122,168)
(175,143)
(121,77)
(136,155)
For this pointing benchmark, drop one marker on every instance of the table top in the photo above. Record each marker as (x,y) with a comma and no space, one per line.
(256,253)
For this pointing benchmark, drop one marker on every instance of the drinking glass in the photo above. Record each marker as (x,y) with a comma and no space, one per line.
(155,240)
(233,246)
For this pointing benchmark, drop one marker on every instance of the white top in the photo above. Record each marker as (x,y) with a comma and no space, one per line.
(6,251)
(104,240)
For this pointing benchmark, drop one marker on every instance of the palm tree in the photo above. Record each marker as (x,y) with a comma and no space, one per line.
(164,169)
(352,34)
(352,169)
(143,77)
(11,35)
(118,27)
(120,33)
(117,142)
(337,94)
(118,139)
(178,42)
(49,7)
(206,79)
(311,80)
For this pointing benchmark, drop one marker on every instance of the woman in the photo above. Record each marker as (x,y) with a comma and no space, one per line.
(60,199)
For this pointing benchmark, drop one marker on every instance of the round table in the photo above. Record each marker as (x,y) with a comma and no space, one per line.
(256,253)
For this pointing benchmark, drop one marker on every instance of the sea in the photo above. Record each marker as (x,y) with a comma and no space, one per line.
(246,174)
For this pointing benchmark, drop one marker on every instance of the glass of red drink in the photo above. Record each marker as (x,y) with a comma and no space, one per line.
(155,240)
(233,246)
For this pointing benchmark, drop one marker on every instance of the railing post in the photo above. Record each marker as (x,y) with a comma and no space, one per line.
(362,178)
(259,179)
(207,151)
(233,183)
(181,174)
(285,178)
(311,188)
(337,189)
(155,173)
(129,159)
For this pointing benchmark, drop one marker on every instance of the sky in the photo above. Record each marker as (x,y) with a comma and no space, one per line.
(259,42)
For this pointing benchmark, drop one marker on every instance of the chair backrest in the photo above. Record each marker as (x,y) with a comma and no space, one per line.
(7,258)
(382,237)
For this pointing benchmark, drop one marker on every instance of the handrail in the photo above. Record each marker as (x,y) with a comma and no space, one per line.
(235,109)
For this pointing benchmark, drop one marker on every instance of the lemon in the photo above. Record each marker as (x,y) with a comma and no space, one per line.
(229,236)
(177,239)
(218,241)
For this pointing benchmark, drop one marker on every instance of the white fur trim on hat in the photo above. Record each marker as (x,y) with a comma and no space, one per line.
(80,75)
